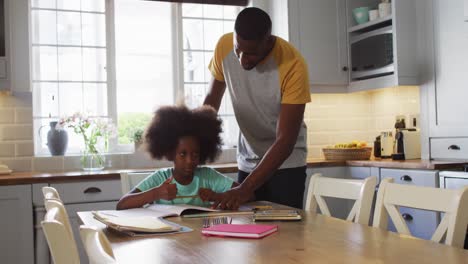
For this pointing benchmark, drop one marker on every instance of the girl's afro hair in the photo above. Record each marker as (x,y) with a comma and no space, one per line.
(170,123)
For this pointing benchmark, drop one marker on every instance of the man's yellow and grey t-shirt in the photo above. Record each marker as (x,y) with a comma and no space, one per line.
(257,95)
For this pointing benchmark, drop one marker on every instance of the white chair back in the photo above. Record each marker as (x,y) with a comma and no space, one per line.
(58,233)
(362,191)
(97,245)
(454,203)
(50,193)
(129,180)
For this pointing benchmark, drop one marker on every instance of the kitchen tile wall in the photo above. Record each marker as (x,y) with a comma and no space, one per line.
(330,118)
(17,146)
(335,118)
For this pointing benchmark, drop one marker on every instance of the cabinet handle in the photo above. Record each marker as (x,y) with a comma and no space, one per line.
(92,190)
(454,147)
(344,68)
(407,217)
(406,178)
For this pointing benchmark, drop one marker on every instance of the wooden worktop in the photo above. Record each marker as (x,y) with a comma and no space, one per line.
(44,177)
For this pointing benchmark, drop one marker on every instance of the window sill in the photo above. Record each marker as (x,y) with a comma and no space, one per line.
(116,161)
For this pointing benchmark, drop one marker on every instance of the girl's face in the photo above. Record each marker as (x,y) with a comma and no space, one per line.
(186,159)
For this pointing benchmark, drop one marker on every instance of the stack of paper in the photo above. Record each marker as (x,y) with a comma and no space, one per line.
(277,215)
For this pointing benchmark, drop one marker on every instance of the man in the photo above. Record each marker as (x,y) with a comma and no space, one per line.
(269,87)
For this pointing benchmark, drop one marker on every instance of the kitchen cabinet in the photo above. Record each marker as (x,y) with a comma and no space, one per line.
(382,52)
(444,93)
(16,225)
(18,45)
(3,46)
(326,34)
(76,196)
(421,223)
(318,30)
(340,208)
(361,173)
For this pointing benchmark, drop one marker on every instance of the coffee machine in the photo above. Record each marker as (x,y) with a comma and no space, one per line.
(407,144)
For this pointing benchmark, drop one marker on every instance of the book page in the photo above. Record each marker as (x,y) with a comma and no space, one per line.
(128,222)
(137,212)
(179,209)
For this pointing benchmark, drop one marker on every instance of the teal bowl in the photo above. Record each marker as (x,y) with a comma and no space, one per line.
(361,14)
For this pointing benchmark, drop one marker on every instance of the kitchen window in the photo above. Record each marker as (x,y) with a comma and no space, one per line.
(121,59)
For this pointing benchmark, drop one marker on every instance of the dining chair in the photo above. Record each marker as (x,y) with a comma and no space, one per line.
(129,180)
(97,246)
(453,203)
(50,193)
(362,191)
(58,233)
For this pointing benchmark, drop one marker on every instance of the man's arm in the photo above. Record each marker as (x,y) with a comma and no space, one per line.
(289,124)
(215,94)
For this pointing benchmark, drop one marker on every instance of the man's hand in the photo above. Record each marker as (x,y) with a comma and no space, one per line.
(166,190)
(233,198)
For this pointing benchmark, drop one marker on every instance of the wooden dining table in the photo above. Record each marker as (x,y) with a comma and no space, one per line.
(314,239)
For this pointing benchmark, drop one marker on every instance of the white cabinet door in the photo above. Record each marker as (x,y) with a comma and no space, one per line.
(421,223)
(318,29)
(3,68)
(447,98)
(18,12)
(339,208)
(16,225)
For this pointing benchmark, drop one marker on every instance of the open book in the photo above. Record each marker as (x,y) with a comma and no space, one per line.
(150,219)
(193,211)
(143,224)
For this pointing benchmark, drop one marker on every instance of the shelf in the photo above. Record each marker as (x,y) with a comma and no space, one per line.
(370,24)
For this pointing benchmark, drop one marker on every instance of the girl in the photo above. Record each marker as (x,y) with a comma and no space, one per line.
(187,138)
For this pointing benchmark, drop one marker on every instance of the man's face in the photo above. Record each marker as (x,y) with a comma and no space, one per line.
(250,52)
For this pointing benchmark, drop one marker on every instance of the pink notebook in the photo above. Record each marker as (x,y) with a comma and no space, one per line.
(235,230)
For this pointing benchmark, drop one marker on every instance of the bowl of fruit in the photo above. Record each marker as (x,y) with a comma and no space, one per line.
(355,150)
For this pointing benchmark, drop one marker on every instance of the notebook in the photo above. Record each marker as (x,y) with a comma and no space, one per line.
(240,230)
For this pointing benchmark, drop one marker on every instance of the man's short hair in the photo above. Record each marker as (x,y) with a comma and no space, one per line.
(252,24)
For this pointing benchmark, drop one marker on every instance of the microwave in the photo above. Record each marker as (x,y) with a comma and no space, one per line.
(372,54)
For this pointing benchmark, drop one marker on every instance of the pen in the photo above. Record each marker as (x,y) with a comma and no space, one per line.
(187,196)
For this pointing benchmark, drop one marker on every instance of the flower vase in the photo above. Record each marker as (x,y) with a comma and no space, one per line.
(92,161)
(57,140)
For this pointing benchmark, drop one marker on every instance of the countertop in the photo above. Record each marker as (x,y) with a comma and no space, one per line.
(44,177)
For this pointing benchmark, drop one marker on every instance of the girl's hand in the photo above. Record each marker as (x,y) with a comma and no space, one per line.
(166,190)
(207,194)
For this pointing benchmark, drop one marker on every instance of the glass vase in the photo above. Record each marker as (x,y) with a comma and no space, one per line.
(92,161)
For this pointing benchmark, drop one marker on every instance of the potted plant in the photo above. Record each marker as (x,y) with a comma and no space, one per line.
(138,138)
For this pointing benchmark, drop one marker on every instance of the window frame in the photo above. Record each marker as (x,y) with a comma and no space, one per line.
(39,149)
(110,46)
